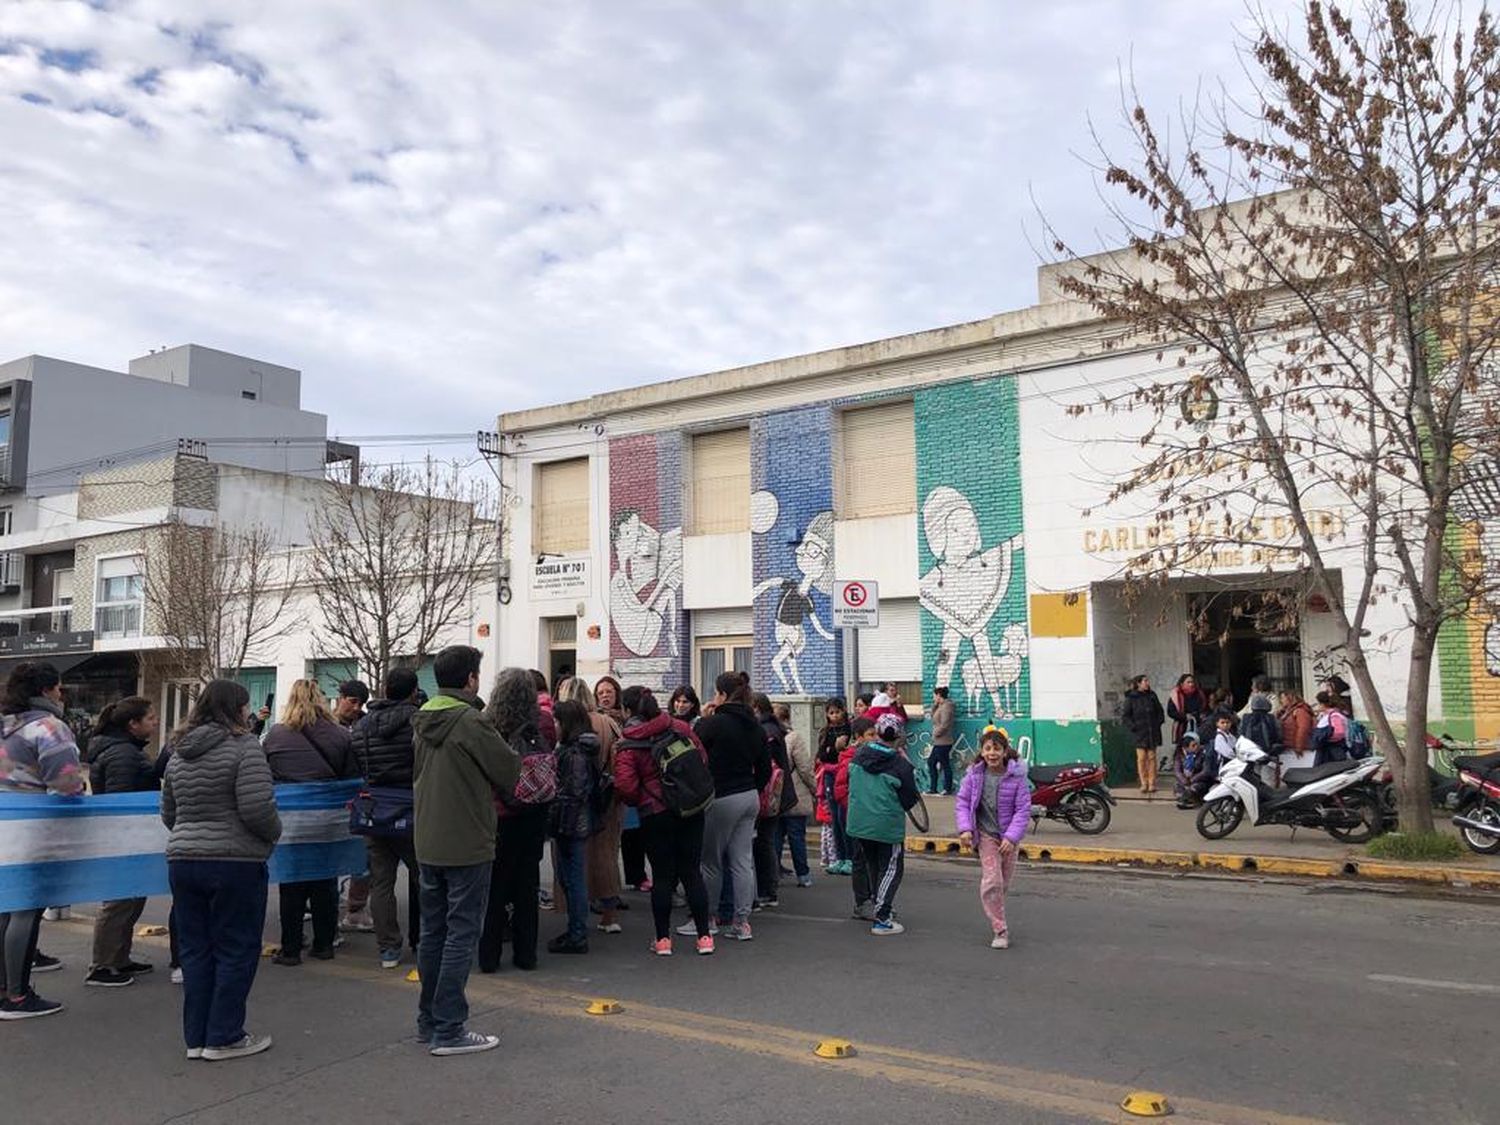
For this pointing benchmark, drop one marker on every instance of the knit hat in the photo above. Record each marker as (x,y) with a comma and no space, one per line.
(888,726)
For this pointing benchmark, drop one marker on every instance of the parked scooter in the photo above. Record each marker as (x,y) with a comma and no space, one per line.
(1478,815)
(1334,797)
(1445,789)
(1075,793)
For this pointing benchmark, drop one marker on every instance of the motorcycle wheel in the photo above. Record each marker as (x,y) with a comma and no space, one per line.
(1219,817)
(1489,813)
(1369,816)
(1087,813)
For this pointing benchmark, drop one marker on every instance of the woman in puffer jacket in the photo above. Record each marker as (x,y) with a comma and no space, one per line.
(993,806)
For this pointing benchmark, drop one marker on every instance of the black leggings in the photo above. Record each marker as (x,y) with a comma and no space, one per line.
(674,844)
(18,936)
(321,897)
(514,882)
(633,853)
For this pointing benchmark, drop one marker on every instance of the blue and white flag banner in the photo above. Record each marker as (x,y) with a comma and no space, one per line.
(56,850)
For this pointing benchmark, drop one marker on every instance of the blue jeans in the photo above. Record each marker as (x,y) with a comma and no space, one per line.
(940,763)
(220,908)
(453,901)
(793,828)
(575,889)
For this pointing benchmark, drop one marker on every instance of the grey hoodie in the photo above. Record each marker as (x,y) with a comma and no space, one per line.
(217,799)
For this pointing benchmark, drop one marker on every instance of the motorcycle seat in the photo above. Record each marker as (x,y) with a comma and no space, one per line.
(1046,775)
(1317,773)
(1478,763)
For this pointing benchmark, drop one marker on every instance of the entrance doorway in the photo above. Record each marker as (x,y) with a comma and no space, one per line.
(1240,634)
(562,649)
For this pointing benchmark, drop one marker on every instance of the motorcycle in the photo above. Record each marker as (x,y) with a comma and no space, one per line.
(1334,797)
(1478,815)
(1074,793)
(1445,789)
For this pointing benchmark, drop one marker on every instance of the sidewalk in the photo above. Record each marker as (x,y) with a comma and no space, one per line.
(1157,833)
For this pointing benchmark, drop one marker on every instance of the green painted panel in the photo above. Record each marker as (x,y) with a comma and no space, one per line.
(331,673)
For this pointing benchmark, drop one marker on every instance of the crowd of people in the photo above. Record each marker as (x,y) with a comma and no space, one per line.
(699,804)
(1206,727)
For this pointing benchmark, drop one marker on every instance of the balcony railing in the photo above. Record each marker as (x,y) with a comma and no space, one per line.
(12,568)
(122,619)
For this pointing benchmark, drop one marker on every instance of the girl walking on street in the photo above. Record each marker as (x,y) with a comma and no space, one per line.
(993,806)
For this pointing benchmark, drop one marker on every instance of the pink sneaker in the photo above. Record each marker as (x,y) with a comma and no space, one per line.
(662,947)
(739,931)
(706,945)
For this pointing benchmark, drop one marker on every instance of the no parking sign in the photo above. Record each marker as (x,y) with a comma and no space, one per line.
(856,605)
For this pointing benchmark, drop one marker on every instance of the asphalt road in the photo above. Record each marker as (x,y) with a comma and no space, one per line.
(1242,1001)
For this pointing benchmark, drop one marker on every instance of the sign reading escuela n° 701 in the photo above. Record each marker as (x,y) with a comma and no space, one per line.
(856,605)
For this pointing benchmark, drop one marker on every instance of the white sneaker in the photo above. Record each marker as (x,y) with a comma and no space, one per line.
(195,1052)
(1000,941)
(690,929)
(57,913)
(887,929)
(471,1043)
(176,975)
(249,1045)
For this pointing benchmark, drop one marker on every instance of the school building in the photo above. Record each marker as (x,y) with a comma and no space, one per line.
(666,532)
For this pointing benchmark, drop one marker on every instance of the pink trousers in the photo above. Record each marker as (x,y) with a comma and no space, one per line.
(996,872)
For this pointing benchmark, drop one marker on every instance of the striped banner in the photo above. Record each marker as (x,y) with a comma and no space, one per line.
(56,850)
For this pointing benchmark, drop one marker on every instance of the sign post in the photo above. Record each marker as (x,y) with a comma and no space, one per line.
(856,605)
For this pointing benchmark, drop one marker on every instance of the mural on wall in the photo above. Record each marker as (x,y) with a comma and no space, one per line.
(791,520)
(973,585)
(1469,649)
(812,552)
(648,627)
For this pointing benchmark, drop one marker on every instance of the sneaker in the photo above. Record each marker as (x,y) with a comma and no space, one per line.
(244,1048)
(770,903)
(176,975)
(390,958)
(644,886)
(136,968)
(690,928)
(27,1007)
(41,963)
(705,945)
(287,959)
(887,928)
(610,928)
(471,1042)
(195,1052)
(804,880)
(845,867)
(662,947)
(562,943)
(108,978)
(1000,941)
(321,954)
(360,923)
(864,912)
(57,914)
(739,931)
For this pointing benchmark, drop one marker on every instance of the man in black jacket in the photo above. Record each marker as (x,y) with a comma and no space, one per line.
(382,740)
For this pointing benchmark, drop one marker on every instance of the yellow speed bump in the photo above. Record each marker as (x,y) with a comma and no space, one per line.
(269,950)
(414,976)
(150,931)
(834,1049)
(605,1008)
(1144,1103)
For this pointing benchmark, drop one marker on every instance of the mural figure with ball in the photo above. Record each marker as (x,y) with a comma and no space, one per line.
(813,551)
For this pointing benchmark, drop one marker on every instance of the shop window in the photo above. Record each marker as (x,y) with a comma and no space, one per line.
(878,462)
(120,601)
(720,501)
(560,502)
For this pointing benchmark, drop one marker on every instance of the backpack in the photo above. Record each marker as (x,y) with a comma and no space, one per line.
(771,796)
(687,788)
(1356,738)
(537,783)
(1261,728)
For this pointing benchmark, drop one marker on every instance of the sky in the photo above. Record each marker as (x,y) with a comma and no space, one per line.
(445,210)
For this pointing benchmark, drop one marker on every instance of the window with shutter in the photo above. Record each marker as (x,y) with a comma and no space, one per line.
(878,466)
(560,502)
(721,482)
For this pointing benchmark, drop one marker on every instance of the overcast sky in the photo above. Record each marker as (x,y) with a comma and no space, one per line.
(445,209)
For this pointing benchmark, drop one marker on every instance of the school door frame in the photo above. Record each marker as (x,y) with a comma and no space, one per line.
(735,651)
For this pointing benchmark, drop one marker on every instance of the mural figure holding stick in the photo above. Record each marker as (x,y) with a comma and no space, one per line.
(964,590)
(813,551)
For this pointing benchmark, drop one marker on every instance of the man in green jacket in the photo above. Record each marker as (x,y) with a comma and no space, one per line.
(461,762)
(882,786)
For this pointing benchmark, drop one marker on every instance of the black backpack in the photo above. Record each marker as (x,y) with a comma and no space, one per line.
(1261,728)
(687,788)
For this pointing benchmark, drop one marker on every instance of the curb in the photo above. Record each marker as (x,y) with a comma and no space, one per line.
(1378,870)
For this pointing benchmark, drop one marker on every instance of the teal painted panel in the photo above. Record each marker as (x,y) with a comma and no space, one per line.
(975,639)
(331,673)
(259,682)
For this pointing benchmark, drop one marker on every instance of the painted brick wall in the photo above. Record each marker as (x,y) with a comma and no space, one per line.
(1469,649)
(791,516)
(648,642)
(971,556)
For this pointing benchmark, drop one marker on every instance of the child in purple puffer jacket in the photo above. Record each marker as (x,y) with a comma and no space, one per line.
(993,806)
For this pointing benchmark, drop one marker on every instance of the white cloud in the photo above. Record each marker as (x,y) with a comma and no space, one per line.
(440,211)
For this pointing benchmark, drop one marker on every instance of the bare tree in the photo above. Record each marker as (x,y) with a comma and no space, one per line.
(395,562)
(219,597)
(1316,273)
